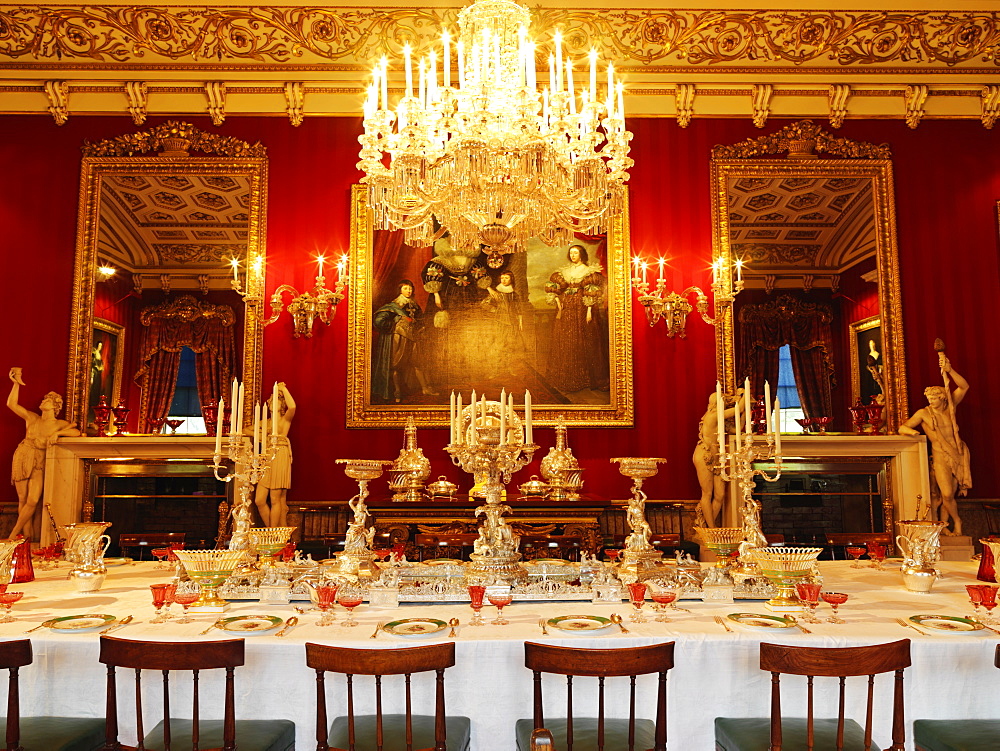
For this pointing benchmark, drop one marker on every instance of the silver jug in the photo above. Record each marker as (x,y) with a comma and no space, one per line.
(919,542)
(88,574)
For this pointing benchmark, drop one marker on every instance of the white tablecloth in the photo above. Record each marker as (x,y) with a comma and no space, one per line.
(716,672)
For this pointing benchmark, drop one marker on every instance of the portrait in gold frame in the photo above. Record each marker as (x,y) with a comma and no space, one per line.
(373,286)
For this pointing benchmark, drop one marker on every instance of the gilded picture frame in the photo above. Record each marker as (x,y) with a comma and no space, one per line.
(865,341)
(106,364)
(487,327)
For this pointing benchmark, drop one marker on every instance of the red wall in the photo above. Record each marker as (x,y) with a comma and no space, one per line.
(946,193)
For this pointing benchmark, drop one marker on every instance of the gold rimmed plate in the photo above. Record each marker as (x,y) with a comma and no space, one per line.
(117,561)
(251,624)
(414,627)
(579,623)
(761,621)
(76,624)
(551,561)
(444,562)
(948,624)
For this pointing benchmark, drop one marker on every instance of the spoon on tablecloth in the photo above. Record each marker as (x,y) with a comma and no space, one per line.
(617,620)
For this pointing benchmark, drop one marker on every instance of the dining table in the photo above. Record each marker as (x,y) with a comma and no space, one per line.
(716,670)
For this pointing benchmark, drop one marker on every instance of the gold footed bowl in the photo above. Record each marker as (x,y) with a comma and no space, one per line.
(210,569)
(723,541)
(497,568)
(268,541)
(785,566)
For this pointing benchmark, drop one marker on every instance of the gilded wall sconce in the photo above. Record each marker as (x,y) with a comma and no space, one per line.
(319,302)
(673,307)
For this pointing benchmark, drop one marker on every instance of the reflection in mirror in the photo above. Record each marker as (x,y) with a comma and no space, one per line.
(158,325)
(819,316)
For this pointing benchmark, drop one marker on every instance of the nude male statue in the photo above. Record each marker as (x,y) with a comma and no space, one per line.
(28,470)
(950,455)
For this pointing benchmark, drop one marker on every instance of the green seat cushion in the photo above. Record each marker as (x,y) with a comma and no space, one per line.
(59,733)
(754,734)
(251,735)
(957,735)
(585,734)
(458,732)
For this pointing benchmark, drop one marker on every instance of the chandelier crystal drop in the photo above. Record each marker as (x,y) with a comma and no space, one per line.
(492,158)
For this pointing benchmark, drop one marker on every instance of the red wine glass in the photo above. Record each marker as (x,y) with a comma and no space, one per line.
(476,594)
(159,598)
(500,600)
(876,551)
(326,596)
(160,554)
(809,594)
(612,553)
(350,597)
(989,601)
(186,598)
(834,600)
(975,597)
(7,599)
(171,592)
(855,552)
(637,594)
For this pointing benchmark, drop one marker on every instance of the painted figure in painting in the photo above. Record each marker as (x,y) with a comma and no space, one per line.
(706,458)
(277,478)
(949,455)
(42,430)
(455,281)
(505,307)
(398,351)
(578,359)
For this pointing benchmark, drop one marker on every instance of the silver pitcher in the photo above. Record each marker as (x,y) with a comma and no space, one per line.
(86,548)
(919,542)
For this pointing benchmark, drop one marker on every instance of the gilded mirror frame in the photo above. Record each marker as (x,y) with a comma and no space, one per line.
(137,153)
(363,413)
(760,158)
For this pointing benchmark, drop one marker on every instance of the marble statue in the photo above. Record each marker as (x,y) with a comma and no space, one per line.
(28,471)
(706,458)
(949,454)
(277,478)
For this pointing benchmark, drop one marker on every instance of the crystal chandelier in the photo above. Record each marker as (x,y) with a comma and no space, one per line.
(492,158)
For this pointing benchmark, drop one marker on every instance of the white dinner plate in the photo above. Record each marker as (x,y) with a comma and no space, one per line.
(79,623)
(578,623)
(117,561)
(251,624)
(762,622)
(948,624)
(414,627)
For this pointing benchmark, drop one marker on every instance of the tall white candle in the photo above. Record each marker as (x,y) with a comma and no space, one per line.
(552,73)
(777,426)
(451,418)
(232,409)
(611,90)
(218,430)
(527,417)
(256,428)
(720,411)
(459,425)
(384,82)
(240,409)
(503,416)
(263,429)
(739,440)
(767,406)
(569,87)
(748,403)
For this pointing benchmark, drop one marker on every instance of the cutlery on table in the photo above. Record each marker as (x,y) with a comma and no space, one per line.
(906,624)
(377,629)
(543,624)
(453,623)
(123,622)
(799,625)
(217,624)
(722,622)
(995,630)
(617,620)
(288,624)
(43,624)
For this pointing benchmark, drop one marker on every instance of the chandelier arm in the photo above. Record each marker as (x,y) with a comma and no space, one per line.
(277,304)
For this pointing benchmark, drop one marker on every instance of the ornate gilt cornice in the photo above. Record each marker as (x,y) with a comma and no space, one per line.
(802,139)
(702,38)
(146,141)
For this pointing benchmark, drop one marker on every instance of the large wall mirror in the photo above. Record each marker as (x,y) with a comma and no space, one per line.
(820,307)
(157,320)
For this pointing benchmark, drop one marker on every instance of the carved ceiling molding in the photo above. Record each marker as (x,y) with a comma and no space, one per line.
(167,135)
(691,37)
(802,139)
(773,254)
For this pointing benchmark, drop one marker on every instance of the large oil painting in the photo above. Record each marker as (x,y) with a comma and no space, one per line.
(426,321)
(105,364)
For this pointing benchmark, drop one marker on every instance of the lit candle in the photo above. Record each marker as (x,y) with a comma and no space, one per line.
(777,426)
(256,429)
(569,87)
(232,408)
(611,90)
(240,410)
(527,417)
(275,412)
(459,425)
(319,260)
(451,419)
(472,413)
(739,269)
(767,406)
(263,429)
(720,411)
(432,83)
(384,81)
(409,70)
(747,404)
(446,59)
(482,409)
(421,81)
(236,269)
(739,440)
(552,73)
(645,268)
(660,263)
(593,74)
(503,416)
(218,430)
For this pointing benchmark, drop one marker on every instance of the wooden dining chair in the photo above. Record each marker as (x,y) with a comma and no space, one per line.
(808,733)
(386,732)
(963,735)
(148,541)
(599,733)
(189,733)
(41,733)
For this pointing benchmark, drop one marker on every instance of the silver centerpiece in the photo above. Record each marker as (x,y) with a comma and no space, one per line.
(919,542)
(410,471)
(639,555)
(357,561)
(488,443)
(560,468)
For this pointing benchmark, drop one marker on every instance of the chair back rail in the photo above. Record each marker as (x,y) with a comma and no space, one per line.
(840,663)
(166,657)
(379,663)
(602,664)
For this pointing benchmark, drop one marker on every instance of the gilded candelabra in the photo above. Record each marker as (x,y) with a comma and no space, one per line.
(357,558)
(673,307)
(639,554)
(487,441)
(305,307)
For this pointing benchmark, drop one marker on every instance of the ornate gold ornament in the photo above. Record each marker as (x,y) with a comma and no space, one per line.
(803,139)
(174,138)
(646,36)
